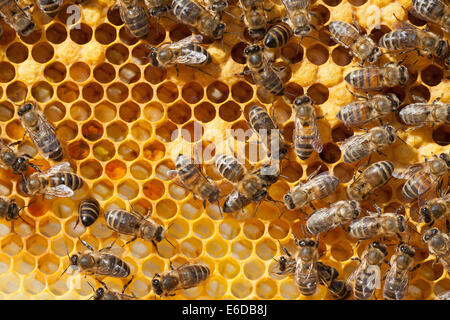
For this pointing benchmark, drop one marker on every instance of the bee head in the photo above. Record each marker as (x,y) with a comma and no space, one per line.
(252,49)
(446,157)
(439,167)
(86,261)
(158,12)
(391,132)
(214,196)
(74,260)
(374,55)
(302,100)
(219,6)
(288,202)
(23,109)
(163,55)
(357,208)
(404,75)
(380,246)
(156,284)
(393,99)
(28,117)
(430,234)
(219,31)
(302,27)
(99,293)
(442,48)
(425,212)
(402,224)
(32,185)
(159,233)
(282,262)
(405,249)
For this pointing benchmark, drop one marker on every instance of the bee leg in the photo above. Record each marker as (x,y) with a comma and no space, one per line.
(86,244)
(416,267)
(129,241)
(356,259)
(15,143)
(102,283)
(312,206)
(178,71)
(127,284)
(199,70)
(447,226)
(312,175)
(355,23)
(110,246)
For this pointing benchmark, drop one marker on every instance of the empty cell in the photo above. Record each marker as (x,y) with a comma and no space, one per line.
(241,288)
(37,207)
(141,170)
(289,289)
(42,91)
(103,189)
(279,229)
(24,263)
(229,229)
(128,150)
(139,249)
(441,135)
(317,54)
(9,283)
(6,111)
(167,132)
(341,56)
(55,111)
(192,131)
(432,75)
(216,288)
(36,245)
(79,71)
(142,93)
(441,286)
(92,130)
(203,228)
(12,244)
(129,73)
(253,229)
(78,150)
(155,75)
(229,268)
(419,289)
(5,263)
(128,189)
(153,265)
(129,111)
(126,37)
(330,153)
(104,73)
(230,111)
(105,34)
(103,150)
(67,130)
(292,91)
(55,72)
(158,33)
(343,172)
(154,151)
(192,210)
(116,169)
(241,92)
(237,52)
(59,287)
(355,3)
(384,194)
(16,91)
(117,92)
(81,33)
(266,288)
(178,32)
(341,132)
(105,111)
(241,131)
(7,72)
(79,111)
(318,93)
(266,249)
(63,207)
(167,209)
(114,16)
(5,187)
(56,33)
(117,131)
(140,54)
(192,92)
(93,92)
(241,249)
(431,271)
(68,91)
(216,248)
(117,54)
(205,112)
(100,230)
(341,251)
(292,52)
(378,32)
(254,269)
(217,92)
(167,92)
(153,189)
(191,248)
(293,171)
(419,93)
(49,227)
(91,169)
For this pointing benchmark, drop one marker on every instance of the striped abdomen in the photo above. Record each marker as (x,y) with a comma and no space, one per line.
(415,113)
(68,179)
(193,47)
(49,7)
(277,36)
(269,80)
(399,40)
(344,33)
(110,265)
(366,78)
(136,20)
(306,138)
(260,120)
(307,277)
(418,180)
(364,228)
(355,114)
(230,168)
(322,186)
(192,275)
(365,285)
(122,221)
(47,142)
(320,220)
(395,286)
(433,10)
(235,201)
(88,211)
(187,11)
(355,152)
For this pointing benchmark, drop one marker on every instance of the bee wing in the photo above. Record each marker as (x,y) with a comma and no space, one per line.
(299,135)
(193,57)
(406,173)
(357,139)
(313,181)
(195,38)
(60,191)
(299,4)
(60,167)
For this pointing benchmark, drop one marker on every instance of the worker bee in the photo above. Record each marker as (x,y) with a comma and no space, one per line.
(339,289)
(9,209)
(18,18)
(435,11)
(410,37)
(378,225)
(315,188)
(57,181)
(439,245)
(339,213)
(361,112)
(19,163)
(306,273)
(192,13)
(286,264)
(268,132)
(372,178)
(254,17)
(376,78)
(186,51)
(41,132)
(262,72)
(423,177)
(134,17)
(217,6)
(365,278)
(397,277)
(298,17)
(183,277)
(88,212)
(436,209)
(158,8)
(100,262)
(358,147)
(421,114)
(49,7)
(107,294)
(277,36)
(443,296)
(350,37)
(306,136)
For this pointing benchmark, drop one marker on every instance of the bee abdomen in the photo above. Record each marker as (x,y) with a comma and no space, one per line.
(229,168)
(192,275)
(49,7)
(393,290)
(307,284)
(139,27)
(319,222)
(363,228)
(235,201)
(354,114)
(365,78)
(414,114)
(273,84)
(277,36)
(362,289)
(343,32)
(68,179)
(259,119)
(399,40)
(88,210)
(186,11)
(121,221)
(118,268)
(411,188)
(50,146)
(355,153)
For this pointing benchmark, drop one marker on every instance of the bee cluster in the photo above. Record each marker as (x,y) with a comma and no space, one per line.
(426,183)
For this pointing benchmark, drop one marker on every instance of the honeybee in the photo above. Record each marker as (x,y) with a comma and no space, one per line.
(439,245)
(158,8)
(19,163)
(358,147)
(435,11)
(217,6)
(277,36)
(41,132)
(376,78)
(378,225)
(183,277)
(268,132)
(254,17)
(328,278)
(186,51)
(9,209)
(134,17)
(298,17)
(107,294)
(421,114)
(339,213)
(88,212)
(373,177)
(193,179)
(364,279)
(286,264)
(423,177)
(18,18)
(99,262)
(192,13)
(262,72)
(397,277)
(361,46)
(410,37)
(443,296)
(436,209)
(57,181)
(49,7)
(306,273)
(306,135)
(315,188)
(361,112)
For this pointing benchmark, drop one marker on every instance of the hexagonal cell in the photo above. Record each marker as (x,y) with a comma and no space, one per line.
(24,263)
(117,92)
(80,111)
(191,248)
(81,33)
(341,132)
(10,283)
(203,228)
(230,111)
(229,268)
(129,73)
(7,72)
(59,287)
(289,289)
(55,111)
(128,189)
(48,263)
(419,289)
(432,75)
(241,92)
(42,91)
(166,209)
(192,209)
(216,287)
(92,130)
(103,189)
(36,245)
(142,92)
(217,92)
(216,248)
(140,54)
(63,208)
(205,112)
(117,54)
(266,288)
(153,111)
(141,170)
(6,111)
(91,169)
(5,263)
(92,92)
(441,135)
(155,75)
(128,150)
(167,92)
(266,249)
(344,172)
(79,71)
(241,249)
(253,229)
(116,169)
(78,150)
(241,288)
(317,54)
(16,91)
(117,131)
(153,265)
(105,111)
(68,91)
(341,251)
(49,227)
(105,34)
(167,132)
(56,33)
(431,271)
(141,249)
(229,229)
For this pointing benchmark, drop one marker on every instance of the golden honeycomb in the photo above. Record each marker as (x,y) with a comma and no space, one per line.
(115,114)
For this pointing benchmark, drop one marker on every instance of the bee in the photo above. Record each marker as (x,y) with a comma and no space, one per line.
(350,37)
(216,6)
(436,209)
(358,147)
(41,132)
(158,8)
(18,18)
(315,188)
(306,273)
(183,277)
(328,278)
(19,163)
(443,296)
(277,36)
(99,262)
(298,17)
(376,78)
(397,277)
(268,132)
(192,13)
(410,37)
(439,245)
(186,51)
(88,212)
(364,279)
(339,213)
(286,264)
(49,7)
(306,135)
(421,114)
(254,17)
(9,209)
(435,11)
(373,177)
(107,294)
(193,179)
(423,177)
(57,181)
(377,225)
(358,113)
(262,72)
(135,18)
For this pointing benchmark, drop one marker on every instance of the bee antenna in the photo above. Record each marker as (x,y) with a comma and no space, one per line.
(20,217)
(230,14)
(256,209)
(220,209)
(90,285)
(275,260)
(169,242)
(64,271)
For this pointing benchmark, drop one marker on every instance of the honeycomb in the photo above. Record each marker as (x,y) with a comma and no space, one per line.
(119,119)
